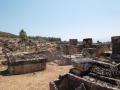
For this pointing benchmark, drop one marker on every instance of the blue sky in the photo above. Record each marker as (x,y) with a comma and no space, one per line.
(99,19)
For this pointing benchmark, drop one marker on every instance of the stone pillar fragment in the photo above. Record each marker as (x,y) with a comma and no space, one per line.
(115,48)
(73,41)
(87,43)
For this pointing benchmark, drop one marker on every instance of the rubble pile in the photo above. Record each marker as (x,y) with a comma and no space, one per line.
(98,67)
(66,59)
(87,47)
(8,46)
(51,51)
(91,49)
(69,48)
(90,75)
(89,52)
(72,82)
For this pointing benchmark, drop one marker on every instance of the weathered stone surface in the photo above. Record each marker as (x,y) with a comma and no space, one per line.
(73,41)
(116,44)
(72,82)
(115,48)
(98,67)
(65,49)
(81,87)
(89,52)
(66,59)
(87,43)
(26,63)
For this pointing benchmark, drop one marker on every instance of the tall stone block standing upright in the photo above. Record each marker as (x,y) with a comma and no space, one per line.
(73,41)
(73,46)
(115,48)
(87,43)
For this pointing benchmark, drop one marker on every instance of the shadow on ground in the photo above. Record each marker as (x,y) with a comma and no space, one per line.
(4,73)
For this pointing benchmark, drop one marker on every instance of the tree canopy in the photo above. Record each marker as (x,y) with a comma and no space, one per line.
(22,34)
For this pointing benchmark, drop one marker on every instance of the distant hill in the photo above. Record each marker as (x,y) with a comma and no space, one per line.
(10,35)
(7,35)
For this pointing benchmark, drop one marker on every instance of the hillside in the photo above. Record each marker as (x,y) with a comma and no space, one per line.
(10,35)
(7,35)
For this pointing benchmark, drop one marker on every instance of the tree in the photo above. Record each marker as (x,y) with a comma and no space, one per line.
(22,34)
(99,42)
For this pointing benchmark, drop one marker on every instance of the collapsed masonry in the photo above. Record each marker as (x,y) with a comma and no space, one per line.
(69,48)
(26,63)
(7,46)
(90,49)
(66,59)
(89,74)
(92,74)
(87,47)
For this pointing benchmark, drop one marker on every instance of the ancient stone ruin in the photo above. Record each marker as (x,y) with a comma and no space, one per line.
(26,63)
(7,46)
(92,73)
(116,48)
(86,47)
(87,43)
(73,41)
(69,48)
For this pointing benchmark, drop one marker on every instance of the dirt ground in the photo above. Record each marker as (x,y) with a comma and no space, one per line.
(33,81)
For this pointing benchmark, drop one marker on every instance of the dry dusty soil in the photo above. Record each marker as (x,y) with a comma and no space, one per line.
(33,81)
